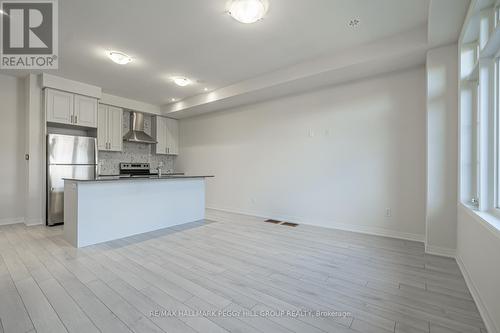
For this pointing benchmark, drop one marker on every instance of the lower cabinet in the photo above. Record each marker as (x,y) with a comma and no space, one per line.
(166,132)
(109,128)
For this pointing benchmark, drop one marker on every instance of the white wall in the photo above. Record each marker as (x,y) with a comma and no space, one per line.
(336,157)
(442,150)
(35,146)
(478,247)
(12,133)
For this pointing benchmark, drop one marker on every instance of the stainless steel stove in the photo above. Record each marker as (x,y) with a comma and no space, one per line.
(136,170)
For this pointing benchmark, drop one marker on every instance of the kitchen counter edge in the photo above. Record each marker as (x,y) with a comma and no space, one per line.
(114,179)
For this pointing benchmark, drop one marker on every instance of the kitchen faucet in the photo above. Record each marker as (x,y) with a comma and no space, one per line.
(160,166)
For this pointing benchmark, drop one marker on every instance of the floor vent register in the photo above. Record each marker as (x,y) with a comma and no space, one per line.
(288,224)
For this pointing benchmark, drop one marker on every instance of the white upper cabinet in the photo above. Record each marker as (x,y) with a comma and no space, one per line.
(159,133)
(115,128)
(172,136)
(70,109)
(109,128)
(166,132)
(102,127)
(59,106)
(85,111)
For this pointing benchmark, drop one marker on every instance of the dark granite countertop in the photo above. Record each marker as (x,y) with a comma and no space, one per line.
(119,178)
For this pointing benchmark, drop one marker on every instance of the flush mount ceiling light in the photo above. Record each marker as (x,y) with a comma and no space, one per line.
(248,11)
(119,57)
(181,81)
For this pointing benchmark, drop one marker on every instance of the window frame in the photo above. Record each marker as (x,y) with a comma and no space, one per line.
(496,139)
(474,175)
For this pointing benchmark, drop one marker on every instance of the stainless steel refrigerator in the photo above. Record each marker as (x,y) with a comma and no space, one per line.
(67,157)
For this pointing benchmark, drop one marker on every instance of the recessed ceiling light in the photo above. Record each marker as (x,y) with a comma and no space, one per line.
(354,22)
(119,57)
(205,89)
(181,81)
(2,12)
(248,11)
(173,99)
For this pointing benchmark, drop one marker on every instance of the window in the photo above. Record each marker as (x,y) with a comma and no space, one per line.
(480,110)
(475,146)
(497,16)
(496,136)
(469,131)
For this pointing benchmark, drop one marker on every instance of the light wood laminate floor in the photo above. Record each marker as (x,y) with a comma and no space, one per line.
(176,279)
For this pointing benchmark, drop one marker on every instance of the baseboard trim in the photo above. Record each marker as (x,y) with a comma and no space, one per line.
(353,228)
(14,220)
(33,222)
(440,251)
(483,311)
(17,220)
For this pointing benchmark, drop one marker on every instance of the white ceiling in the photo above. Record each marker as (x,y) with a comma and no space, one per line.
(198,39)
(401,51)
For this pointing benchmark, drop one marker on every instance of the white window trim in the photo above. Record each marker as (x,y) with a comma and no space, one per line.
(495,210)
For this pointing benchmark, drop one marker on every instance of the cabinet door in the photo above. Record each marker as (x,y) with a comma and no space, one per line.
(161,135)
(85,111)
(115,127)
(59,106)
(102,127)
(172,136)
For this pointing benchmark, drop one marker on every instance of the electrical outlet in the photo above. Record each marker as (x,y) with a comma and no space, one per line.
(388,212)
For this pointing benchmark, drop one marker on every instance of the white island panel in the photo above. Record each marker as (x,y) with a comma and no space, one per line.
(100,211)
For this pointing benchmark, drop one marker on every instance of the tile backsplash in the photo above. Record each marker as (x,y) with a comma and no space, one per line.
(133,152)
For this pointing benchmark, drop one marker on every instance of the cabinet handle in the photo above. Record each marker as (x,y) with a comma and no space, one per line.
(76,119)
(71,119)
(168,150)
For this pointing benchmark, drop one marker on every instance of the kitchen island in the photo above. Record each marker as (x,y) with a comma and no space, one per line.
(110,208)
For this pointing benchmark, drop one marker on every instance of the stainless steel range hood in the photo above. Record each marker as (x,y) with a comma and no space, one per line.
(136,132)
